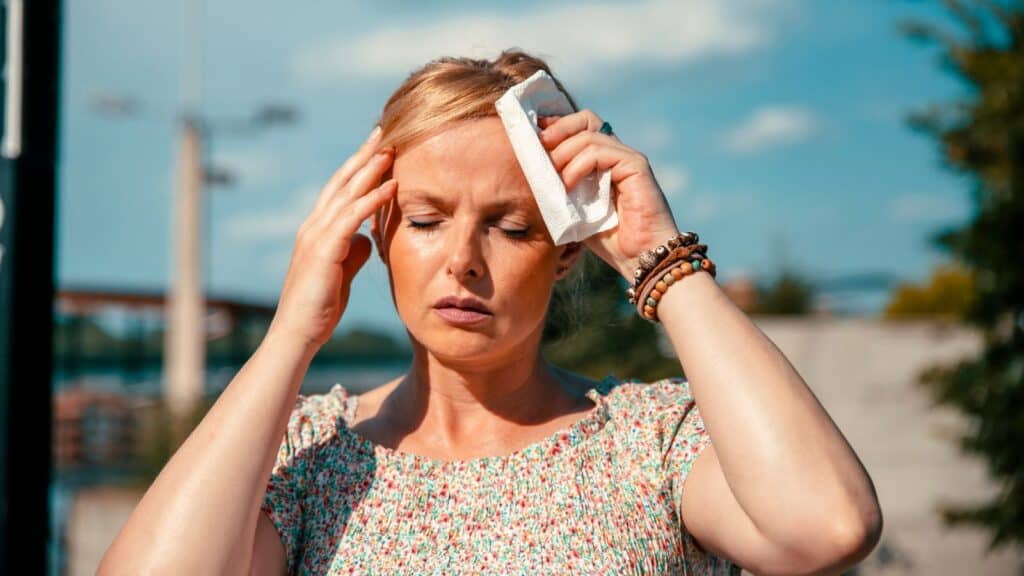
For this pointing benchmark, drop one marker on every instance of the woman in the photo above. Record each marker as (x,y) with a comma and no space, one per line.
(483,457)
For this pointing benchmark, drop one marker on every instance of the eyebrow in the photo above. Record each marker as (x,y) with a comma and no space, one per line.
(431,198)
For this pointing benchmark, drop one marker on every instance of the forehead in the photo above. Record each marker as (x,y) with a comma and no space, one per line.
(472,157)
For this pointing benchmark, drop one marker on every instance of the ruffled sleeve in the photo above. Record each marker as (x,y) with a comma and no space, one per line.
(683,438)
(312,422)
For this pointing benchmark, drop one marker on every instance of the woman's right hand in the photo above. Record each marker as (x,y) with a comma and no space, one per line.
(328,252)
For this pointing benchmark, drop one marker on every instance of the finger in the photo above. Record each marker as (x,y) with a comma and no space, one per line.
(571,146)
(569,125)
(371,174)
(545,121)
(363,181)
(590,159)
(358,253)
(349,167)
(347,224)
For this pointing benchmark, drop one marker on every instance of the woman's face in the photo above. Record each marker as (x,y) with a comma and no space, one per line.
(465,224)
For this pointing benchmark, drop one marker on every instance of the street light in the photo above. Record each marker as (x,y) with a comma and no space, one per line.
(264,118)
(185,339)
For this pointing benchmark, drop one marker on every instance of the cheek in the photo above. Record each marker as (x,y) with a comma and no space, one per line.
(525,279)
(522,274)
(527,271)
(410,260)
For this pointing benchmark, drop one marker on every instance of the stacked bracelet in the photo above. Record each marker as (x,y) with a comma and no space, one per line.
(649,259)
(652,281)
(658,285)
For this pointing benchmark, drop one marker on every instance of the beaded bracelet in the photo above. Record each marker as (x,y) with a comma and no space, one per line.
(657,286)
(666,261)
(649,259)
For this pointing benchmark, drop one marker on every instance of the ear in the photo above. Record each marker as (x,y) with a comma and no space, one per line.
(570,253)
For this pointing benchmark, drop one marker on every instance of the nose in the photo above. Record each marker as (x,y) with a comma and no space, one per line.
(465,252)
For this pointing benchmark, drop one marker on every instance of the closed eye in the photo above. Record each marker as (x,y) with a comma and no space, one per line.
(428,227)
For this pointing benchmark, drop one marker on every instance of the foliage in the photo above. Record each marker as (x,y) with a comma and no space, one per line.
(161,436)
(948,295)
(593,330)
(982,137)
(364,344)
(789,294)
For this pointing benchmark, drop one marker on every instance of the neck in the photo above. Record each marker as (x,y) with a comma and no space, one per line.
(467,403)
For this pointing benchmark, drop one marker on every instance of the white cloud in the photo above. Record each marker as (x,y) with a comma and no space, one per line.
(275,223)
(673,178)
(771,126)
(915,207)
(574,39)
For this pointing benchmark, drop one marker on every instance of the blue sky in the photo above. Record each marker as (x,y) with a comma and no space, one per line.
(776,127)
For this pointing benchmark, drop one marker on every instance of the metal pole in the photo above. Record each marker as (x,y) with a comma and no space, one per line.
(185,339)
(27,202)
(185,343)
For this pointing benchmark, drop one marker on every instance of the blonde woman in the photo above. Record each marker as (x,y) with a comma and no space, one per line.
(483,458)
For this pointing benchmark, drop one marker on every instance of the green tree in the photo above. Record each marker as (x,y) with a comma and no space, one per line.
(982,137)
(948,295)
(790,294)
(593,330)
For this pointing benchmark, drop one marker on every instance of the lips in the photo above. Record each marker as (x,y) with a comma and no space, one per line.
(468,304)
(462,311)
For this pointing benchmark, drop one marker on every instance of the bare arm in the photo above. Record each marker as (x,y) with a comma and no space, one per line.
(199,516)
(202,513)
(780,491)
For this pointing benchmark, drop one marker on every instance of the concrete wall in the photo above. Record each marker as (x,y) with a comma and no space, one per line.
(864,372)
(95,518)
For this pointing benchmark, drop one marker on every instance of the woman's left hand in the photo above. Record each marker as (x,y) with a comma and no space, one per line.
(645,219)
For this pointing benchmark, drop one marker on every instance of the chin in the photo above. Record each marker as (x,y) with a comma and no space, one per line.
(445,340)
(457,345)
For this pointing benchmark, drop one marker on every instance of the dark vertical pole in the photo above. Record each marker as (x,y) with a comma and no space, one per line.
(27,192)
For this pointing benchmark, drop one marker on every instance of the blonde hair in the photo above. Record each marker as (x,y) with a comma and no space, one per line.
(450,89)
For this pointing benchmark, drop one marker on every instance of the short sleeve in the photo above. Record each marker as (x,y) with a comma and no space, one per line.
(683,439)
(311,423)
(683,434)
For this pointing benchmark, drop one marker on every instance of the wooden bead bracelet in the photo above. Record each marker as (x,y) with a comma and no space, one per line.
(676,265)
(650,303)
(649,259)
(664,258)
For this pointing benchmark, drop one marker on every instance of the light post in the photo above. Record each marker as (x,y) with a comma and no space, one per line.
(185,337)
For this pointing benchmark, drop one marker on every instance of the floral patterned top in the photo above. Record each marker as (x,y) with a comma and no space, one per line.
(601,496)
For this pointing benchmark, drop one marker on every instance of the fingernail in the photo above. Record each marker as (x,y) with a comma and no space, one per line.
(376,132)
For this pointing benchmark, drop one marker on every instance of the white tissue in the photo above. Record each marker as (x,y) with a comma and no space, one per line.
(570,216)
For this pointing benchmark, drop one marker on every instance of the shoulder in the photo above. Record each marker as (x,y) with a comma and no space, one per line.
(323,408)
(648,398)
(654,415)
(314,420)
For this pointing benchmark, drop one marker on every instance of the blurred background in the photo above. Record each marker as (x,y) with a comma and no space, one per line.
(857,169)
